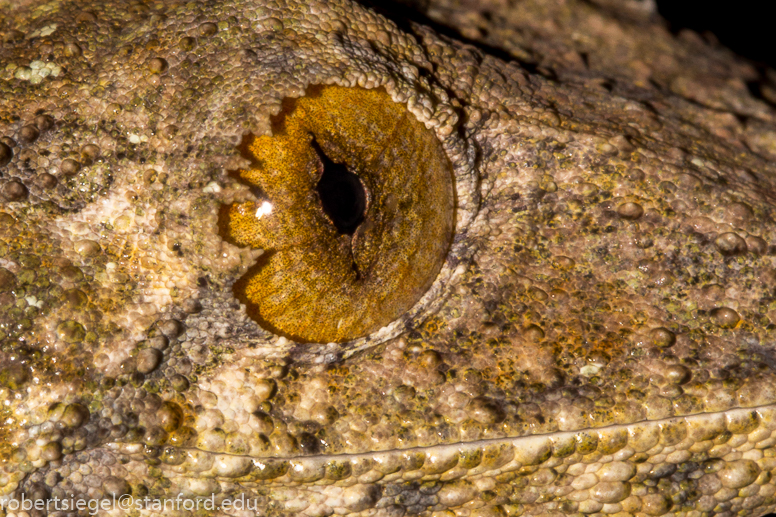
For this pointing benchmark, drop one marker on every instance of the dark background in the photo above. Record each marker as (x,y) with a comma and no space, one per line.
(747,27)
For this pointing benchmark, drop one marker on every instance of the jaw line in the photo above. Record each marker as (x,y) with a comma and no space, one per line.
(499,455)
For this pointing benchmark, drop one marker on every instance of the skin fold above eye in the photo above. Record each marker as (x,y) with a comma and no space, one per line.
(323,278)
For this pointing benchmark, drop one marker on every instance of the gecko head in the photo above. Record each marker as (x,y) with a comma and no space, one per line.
(355,218)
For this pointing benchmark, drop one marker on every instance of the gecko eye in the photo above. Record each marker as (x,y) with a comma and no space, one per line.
(356,219)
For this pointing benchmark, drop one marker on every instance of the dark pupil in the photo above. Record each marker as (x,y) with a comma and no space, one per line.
(342,194)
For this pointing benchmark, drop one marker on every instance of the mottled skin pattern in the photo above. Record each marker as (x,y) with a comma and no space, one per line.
(599,341)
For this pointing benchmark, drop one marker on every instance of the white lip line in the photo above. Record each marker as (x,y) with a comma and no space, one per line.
(525,442)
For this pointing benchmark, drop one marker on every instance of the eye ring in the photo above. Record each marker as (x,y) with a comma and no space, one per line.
(317,282)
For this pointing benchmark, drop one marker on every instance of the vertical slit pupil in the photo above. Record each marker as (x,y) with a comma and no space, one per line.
(342,194)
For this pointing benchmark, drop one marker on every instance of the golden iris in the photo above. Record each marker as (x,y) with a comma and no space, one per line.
(355,215)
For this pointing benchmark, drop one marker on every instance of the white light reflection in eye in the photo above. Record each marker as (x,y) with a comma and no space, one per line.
(264,209)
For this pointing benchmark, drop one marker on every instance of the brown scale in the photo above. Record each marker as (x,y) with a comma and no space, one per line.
(329,277)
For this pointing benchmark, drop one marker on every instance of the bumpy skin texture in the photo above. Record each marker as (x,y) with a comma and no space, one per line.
(599,339)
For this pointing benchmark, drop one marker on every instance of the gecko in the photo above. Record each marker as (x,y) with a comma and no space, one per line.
(595,338)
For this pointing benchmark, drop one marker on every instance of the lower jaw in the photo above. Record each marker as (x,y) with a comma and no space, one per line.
(724,458)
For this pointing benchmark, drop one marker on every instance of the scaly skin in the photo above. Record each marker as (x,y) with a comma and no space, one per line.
(599,340)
